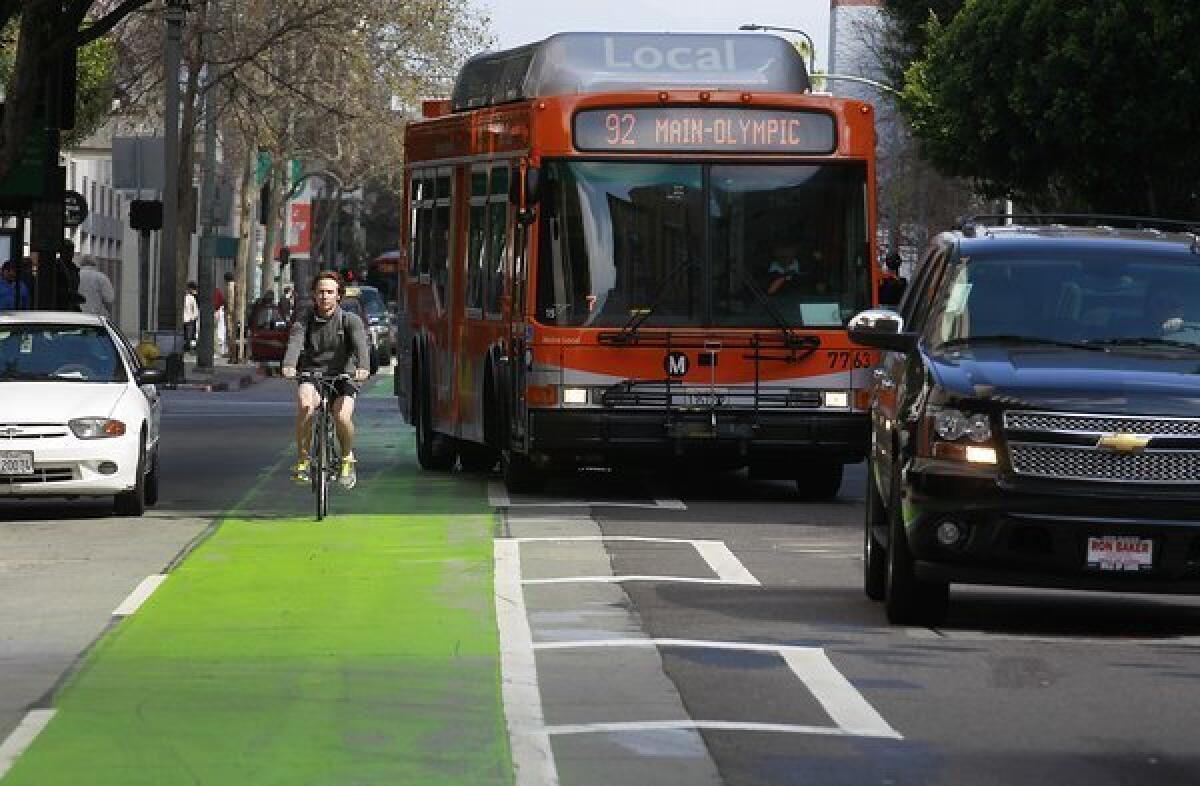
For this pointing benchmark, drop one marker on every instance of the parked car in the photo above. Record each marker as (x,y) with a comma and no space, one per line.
(81,414)
(378,320)
(268,334)
(1036,417)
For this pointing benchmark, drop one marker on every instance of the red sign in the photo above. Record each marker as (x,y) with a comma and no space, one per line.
(300,228)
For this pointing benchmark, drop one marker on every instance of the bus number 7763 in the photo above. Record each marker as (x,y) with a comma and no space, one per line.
(840,360)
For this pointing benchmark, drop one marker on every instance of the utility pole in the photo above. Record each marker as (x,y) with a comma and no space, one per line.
(168,298)
(208,182)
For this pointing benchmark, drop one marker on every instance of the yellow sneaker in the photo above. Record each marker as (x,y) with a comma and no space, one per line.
(300,471)
(347,477)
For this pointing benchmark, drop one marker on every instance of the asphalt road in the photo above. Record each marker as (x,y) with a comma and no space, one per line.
(690,630)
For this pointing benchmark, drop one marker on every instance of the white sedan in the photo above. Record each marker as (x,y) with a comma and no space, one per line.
(79,415)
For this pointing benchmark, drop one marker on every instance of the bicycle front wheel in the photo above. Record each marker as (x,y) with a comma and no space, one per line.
(320,470)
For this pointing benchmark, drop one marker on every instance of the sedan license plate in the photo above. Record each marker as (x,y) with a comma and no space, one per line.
(16,462)
(1120,553)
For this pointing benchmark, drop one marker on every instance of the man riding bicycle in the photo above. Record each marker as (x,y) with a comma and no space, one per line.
(331,341)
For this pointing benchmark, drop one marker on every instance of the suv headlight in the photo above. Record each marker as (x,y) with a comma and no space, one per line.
(96,428)
(950,433)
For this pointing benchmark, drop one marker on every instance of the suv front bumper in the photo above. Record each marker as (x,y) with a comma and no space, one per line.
(1025,533)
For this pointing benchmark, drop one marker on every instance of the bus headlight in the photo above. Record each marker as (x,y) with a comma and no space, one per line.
(835,399)
(574,396)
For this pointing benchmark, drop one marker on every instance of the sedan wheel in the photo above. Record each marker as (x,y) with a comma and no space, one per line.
(909,600)
(133,502)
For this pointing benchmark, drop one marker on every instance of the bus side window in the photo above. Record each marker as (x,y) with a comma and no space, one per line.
(497,237)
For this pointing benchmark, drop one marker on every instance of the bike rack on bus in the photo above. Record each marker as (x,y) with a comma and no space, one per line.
(666,392)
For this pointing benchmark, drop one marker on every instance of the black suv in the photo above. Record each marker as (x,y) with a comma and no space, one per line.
(1036,416)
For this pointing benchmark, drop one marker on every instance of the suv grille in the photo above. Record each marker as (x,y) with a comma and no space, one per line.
(1063,446)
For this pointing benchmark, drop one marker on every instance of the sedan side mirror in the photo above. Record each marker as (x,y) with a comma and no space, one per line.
(151,376)
(881,328)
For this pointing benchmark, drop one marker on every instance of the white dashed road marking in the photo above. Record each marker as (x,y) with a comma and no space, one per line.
(139,595)
(22,737)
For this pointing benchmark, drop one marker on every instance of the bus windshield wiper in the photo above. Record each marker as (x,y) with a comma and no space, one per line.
(789,338)
(1012,338)
(629,330)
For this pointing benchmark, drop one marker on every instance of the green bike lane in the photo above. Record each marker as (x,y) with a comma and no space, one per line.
(359,650)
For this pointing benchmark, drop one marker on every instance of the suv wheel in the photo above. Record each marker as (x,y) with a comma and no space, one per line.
(909,600)
(874,554)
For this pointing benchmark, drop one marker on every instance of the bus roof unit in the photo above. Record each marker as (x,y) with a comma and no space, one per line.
(570,63)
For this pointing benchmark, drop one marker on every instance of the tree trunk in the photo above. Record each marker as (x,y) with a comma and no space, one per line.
(23,94)
(243,267)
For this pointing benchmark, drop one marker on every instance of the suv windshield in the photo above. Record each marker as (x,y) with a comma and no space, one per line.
(58,352)
(1106,298)
(702,244)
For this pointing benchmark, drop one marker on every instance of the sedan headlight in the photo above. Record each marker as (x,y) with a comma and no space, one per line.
(961,436)
(96,428)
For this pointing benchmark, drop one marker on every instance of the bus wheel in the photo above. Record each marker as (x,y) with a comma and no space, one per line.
(477,458)
(435,452)
(819,481)
(520,475)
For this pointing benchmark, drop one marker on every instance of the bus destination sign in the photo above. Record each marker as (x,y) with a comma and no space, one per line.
(705,130)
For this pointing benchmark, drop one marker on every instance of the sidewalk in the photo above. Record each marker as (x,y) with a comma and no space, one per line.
(223,376)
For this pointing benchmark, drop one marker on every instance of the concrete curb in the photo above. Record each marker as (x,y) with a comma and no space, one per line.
(240,382)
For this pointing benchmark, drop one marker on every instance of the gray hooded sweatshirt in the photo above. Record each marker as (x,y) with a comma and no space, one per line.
(337,345)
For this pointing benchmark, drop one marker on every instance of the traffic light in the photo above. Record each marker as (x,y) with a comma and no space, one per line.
(264,204)
(145,214)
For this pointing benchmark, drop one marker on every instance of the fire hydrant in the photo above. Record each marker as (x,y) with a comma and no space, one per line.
(148,351)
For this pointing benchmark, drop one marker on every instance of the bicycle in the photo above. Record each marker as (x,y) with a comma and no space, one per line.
(324,453)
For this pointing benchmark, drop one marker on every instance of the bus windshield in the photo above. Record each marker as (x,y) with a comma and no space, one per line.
(702,245)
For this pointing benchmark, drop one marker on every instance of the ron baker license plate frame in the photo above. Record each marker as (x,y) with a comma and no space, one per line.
(1120,553)
(16,462)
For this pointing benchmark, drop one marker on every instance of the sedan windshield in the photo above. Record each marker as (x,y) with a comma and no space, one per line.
(667,244)
(58,352)
(1101,299)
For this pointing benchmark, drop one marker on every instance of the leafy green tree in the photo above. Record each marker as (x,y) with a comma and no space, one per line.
(910,25)
(1079,104)
(37,35)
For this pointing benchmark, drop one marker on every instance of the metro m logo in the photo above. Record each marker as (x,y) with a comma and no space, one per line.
(675,364)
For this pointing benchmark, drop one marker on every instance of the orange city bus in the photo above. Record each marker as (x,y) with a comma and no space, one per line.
(632,248)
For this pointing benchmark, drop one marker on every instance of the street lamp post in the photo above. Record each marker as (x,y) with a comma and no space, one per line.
(812,48)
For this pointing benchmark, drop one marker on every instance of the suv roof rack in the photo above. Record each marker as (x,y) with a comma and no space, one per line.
(968,223)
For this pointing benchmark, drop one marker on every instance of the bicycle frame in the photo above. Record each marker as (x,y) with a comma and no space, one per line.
(323,449)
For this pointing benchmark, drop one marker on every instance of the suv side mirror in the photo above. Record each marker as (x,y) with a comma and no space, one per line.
(881,328)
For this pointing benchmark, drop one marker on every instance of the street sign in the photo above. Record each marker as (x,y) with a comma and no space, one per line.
(75,209)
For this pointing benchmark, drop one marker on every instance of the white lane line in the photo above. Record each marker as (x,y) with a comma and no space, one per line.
(619,579)
(701,725)
(533,759)
(724,564)
(23,736)
(849,710)
(498,497)
(139,595)
(743,646)
(843,703)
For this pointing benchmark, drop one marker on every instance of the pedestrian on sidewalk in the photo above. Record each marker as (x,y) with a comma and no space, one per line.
(13,293)
(231,317)
(219,320)
(191,316)
(96,289)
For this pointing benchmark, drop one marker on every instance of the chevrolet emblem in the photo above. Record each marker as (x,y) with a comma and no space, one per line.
(1123,442)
